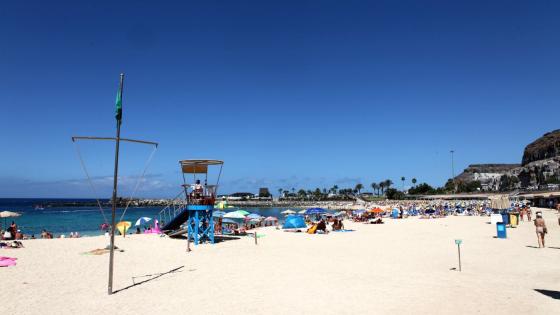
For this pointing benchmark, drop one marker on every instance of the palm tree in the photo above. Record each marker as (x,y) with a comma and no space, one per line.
(280,190)
(403,179)
(382,186)
(388,183)
(359,187)
(375,188)
(414,181)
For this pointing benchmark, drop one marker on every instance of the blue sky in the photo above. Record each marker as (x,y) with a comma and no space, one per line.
(289,93)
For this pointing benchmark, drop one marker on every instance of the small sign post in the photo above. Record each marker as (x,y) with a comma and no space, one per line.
(458,242)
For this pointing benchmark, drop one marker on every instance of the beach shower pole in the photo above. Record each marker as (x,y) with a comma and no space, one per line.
(115,180)
(458,242)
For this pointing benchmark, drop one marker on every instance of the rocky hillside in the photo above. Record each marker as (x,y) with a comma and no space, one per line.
(478,171)
(545,147)
(539,169)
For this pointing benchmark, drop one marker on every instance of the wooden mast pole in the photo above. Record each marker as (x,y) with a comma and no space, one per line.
(114,205)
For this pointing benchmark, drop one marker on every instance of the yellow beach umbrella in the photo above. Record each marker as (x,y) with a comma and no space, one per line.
(123,226)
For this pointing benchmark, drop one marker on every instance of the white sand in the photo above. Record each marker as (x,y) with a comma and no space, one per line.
(400,267)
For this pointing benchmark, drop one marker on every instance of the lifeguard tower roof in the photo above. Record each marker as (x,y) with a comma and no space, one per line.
(198,166)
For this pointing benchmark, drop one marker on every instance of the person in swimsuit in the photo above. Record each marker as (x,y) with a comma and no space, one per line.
(540,229)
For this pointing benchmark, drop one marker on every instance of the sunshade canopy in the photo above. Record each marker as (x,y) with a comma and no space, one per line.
(197,166)
(9,214)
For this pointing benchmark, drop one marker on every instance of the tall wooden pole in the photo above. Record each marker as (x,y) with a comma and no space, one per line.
(114,206)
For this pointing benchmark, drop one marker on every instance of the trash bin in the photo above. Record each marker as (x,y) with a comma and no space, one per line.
(501,230)
(513,219)
(505,218)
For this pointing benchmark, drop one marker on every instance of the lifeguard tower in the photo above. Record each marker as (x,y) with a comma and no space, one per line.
(200,197)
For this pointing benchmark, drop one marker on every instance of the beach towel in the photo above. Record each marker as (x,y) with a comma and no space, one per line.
(7,261)
(100,251)
(344,231)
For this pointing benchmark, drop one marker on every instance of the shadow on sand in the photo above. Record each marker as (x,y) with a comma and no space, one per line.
(154,276)
(553,294)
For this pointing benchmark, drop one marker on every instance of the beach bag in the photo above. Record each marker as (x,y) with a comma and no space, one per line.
(7,235)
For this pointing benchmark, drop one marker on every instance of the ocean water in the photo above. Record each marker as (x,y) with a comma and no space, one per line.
(86,220)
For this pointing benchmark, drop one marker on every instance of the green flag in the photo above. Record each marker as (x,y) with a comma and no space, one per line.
(118,103)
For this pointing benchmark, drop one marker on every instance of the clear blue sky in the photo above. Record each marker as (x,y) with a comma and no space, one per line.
(289,93)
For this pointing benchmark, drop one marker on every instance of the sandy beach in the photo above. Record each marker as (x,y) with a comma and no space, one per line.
(403,266)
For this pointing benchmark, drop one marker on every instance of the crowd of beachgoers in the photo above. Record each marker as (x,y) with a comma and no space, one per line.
(331,214)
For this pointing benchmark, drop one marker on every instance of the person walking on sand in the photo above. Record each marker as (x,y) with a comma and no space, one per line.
(529,213)
(540,229)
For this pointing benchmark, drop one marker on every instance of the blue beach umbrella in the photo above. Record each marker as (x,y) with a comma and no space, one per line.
(142,221)
(294,222)
(315,211)
(253,216)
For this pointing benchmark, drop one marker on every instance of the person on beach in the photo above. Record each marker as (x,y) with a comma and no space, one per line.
(529,213)
(540,229)
(322,226)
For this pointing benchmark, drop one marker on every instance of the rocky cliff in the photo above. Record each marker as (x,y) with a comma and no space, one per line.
(540,167)
(481,171)
(545,147)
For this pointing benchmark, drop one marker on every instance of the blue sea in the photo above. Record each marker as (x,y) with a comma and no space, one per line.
(85,220)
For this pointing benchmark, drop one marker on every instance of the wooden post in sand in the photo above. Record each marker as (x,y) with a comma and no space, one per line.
(255,237)
(458,242)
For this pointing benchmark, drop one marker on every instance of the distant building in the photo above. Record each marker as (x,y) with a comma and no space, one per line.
(264,193)
(240,196)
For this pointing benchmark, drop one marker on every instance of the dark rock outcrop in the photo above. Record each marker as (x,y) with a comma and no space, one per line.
(545,147)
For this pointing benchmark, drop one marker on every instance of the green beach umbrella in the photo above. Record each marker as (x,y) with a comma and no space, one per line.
(235,215)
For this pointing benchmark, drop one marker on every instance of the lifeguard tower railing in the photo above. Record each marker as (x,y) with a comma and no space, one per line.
(173,208)
(205,197)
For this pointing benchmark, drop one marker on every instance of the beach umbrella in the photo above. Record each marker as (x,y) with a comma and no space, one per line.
(254,216)
(123,226)
(235,215)
(8,214)
(376,210)
(287,212)
(229,221)
(340,213)
(302,211)
(104,226)
(271,219)
(294,222)
(244,212)
(218,214)
(315,211)
(142,221)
